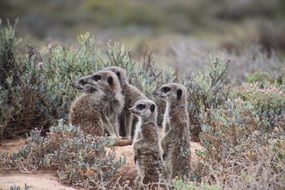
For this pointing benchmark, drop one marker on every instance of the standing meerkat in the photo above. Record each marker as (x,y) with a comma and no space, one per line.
(147,150)
(100,105)
(175,142)
(131,95)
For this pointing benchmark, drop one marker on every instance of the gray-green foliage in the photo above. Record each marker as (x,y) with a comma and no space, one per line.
(15,187)
(207,89)
(36,89)
(80,159)
(144,74)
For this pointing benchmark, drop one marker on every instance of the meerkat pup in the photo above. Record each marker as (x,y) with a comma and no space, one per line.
(99,107)
(175,142)
(131,95)
(148,155)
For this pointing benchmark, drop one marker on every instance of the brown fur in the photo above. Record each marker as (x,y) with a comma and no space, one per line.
(131,95)
(147,150)
(83,113)
(100,106)
(176,141)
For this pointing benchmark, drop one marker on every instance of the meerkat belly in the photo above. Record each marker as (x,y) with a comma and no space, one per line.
(151,165)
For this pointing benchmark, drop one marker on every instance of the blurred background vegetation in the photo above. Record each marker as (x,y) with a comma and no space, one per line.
(224,24)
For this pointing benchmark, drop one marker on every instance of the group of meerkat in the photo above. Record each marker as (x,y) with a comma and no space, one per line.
(107,106)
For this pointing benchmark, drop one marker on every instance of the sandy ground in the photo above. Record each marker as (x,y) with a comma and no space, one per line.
(47,180)
(38,181)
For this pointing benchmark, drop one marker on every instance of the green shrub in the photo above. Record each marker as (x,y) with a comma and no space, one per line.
(240,150)
(36,90)
(80,160)
(15,187)
(180,184)
(265,79)
(268,102)
(22,90)
(207,89)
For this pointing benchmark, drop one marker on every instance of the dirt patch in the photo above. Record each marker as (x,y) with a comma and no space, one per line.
(11,145)
(38,181)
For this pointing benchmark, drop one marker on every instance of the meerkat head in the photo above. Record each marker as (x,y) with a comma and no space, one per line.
(172,92)
(105,81)
(145,109)
(82,85)
(120,72)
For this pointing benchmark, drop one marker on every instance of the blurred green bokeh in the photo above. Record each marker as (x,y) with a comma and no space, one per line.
(42,19)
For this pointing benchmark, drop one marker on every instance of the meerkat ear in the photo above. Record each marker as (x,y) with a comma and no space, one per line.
(179,94)
(152,107)
(110,80)
(118,75)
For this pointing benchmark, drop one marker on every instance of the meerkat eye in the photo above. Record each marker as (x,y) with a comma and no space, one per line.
(96,77)
(141,106)
(166,89)
(82,82)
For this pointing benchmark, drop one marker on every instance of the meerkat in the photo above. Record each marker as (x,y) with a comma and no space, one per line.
(175,142)
(131,95)
(146,146)
(97,110)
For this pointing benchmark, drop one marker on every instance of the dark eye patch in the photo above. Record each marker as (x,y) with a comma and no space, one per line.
(82,82)
(152,107)
(179,93)
(165,89)
(141,106)
(96,77)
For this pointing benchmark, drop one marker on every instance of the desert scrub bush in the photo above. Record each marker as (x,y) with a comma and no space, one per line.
(22,92)
(207,89)
(142,73)
(62,66)
(268,102)
(239,147)
(188,185)
(256,163)
(15,187)
(80,160)
(253,109)
(36,89)
(266,79)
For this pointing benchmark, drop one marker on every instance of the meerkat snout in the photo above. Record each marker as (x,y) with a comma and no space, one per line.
(82,85)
